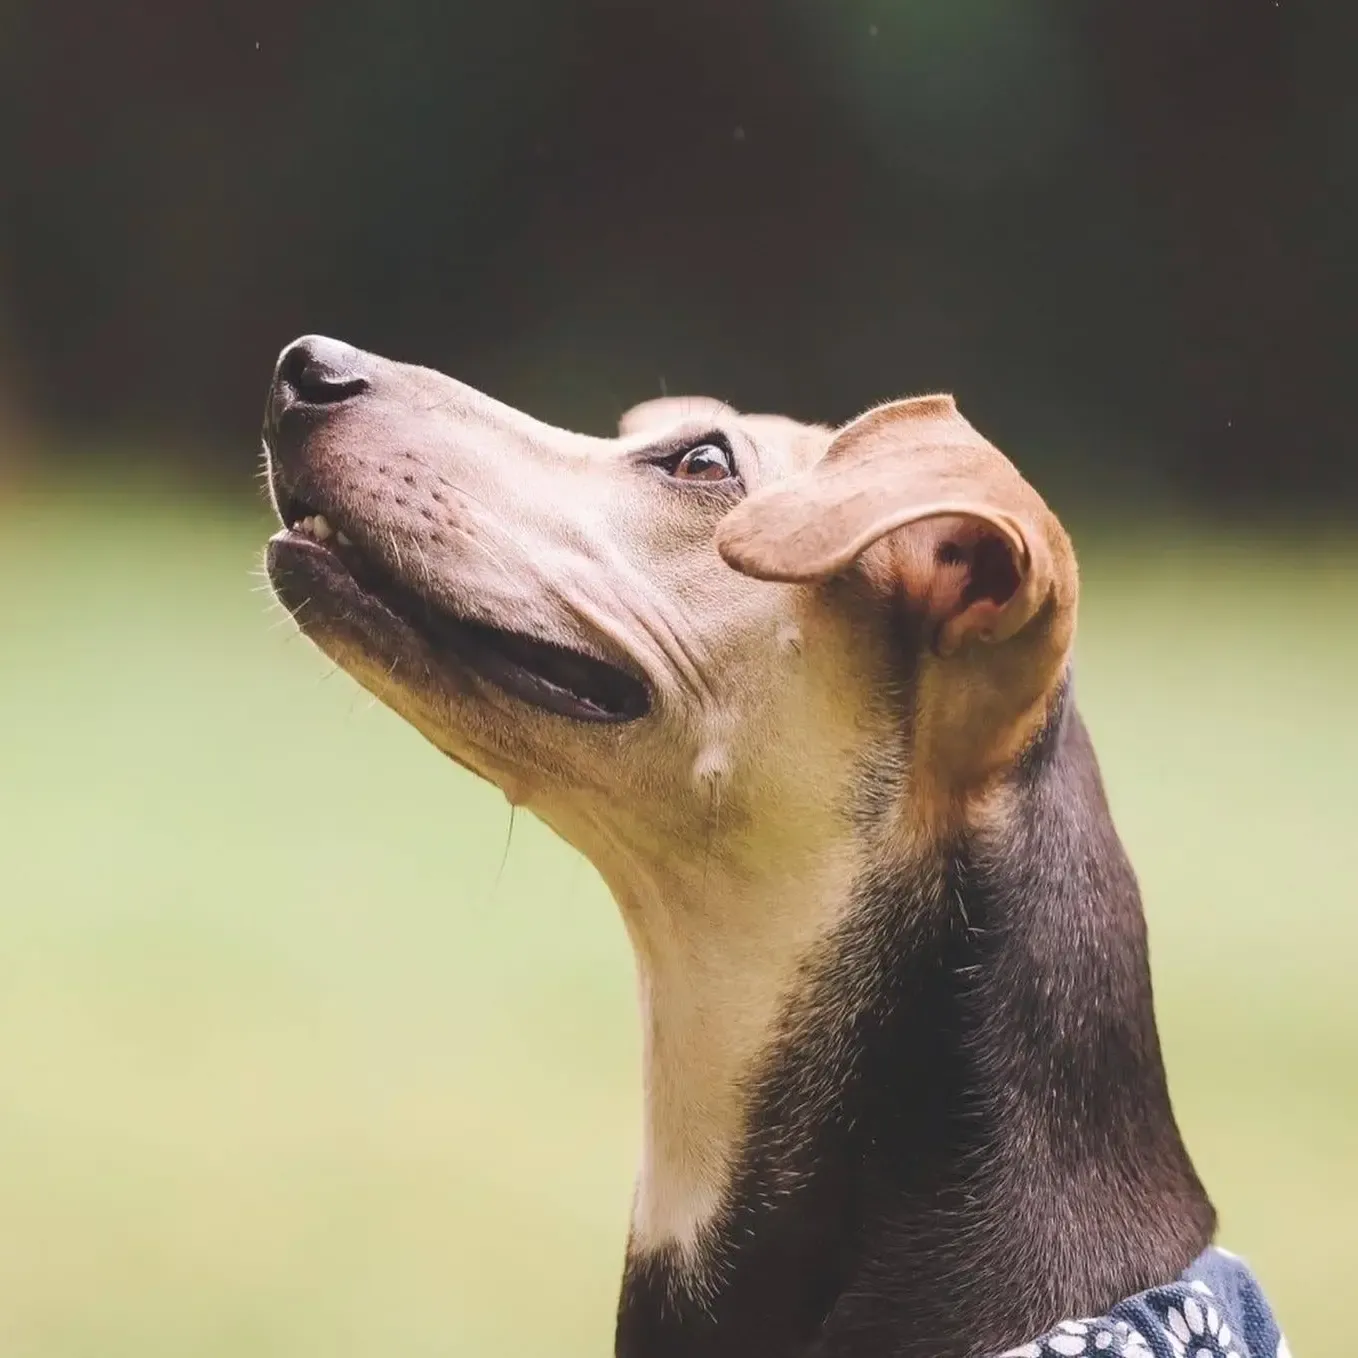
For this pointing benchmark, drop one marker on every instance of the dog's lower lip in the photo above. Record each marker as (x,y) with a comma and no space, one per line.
(543,674)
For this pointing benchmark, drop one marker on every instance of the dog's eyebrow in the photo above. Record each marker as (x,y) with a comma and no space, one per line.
(686,432)
(663,411)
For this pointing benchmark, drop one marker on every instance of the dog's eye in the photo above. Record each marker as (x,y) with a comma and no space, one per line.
(706,462)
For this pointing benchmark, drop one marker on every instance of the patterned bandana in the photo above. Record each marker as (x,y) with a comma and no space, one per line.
(1215,1310)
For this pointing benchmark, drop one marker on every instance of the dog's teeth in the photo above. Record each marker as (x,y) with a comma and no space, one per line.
(319,527)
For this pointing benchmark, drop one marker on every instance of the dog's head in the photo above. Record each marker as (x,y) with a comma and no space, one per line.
(713,621)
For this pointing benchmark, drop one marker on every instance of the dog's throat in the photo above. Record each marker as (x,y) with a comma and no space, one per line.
(715,974)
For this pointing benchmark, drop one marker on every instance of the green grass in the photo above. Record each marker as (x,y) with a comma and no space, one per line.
(283,1069)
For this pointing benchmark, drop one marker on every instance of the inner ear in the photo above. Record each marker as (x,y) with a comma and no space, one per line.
(992,572)
(959,573)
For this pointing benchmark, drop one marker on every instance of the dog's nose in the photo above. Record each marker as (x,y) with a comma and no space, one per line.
(318,371)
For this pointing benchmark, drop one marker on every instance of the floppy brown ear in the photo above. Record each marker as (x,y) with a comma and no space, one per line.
(666,411)
(983,555)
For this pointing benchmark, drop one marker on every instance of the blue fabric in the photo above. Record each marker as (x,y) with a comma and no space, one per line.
(1215,1310)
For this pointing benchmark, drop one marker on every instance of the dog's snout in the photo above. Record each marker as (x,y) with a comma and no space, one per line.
(318,371)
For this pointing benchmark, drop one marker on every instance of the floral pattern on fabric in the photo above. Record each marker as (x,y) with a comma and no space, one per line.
(1215,1310)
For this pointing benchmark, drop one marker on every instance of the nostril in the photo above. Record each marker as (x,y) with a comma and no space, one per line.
(321,371)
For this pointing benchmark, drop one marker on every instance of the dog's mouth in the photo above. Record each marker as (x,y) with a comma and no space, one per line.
(546,675)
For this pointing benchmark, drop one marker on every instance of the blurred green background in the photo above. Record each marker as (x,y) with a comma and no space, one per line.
(301,1050)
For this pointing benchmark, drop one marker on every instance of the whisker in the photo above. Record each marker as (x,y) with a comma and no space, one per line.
(424,561)
(293,615)
(713,824)
(373,699)
(504,856)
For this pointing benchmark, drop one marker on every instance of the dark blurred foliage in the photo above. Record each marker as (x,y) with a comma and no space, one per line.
(1122,231)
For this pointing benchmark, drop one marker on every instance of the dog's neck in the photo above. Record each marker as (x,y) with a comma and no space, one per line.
(918,1109)
(713,980)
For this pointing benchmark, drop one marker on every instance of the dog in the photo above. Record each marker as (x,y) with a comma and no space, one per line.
(803,696)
